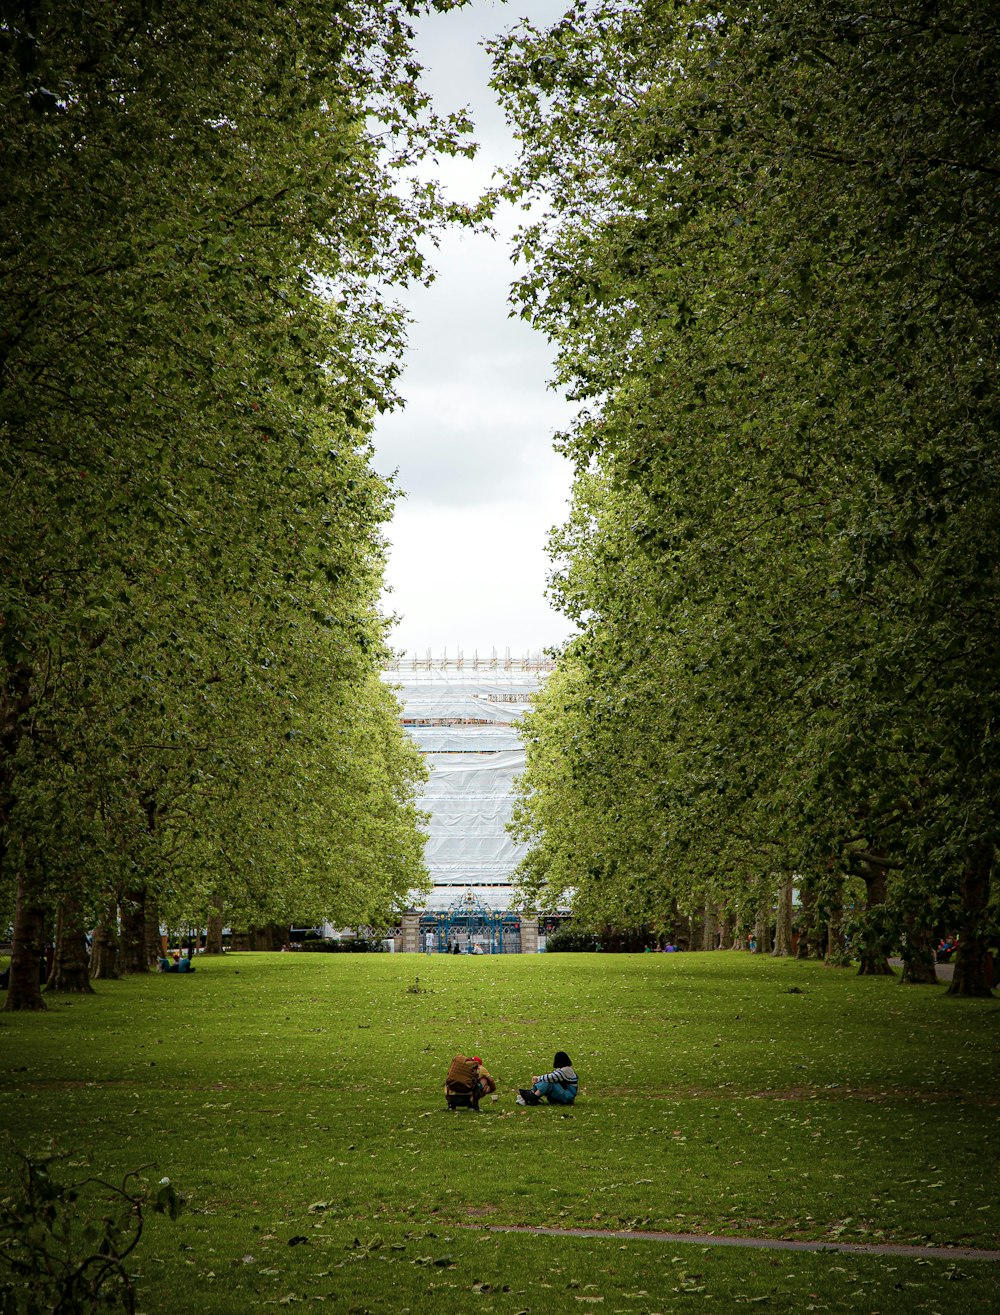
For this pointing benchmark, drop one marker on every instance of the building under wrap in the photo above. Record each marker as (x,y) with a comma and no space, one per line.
(463,714)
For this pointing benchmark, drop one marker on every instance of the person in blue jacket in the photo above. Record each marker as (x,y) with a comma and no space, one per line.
(558,1087)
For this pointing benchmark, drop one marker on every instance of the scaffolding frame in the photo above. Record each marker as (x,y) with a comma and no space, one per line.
(527,662)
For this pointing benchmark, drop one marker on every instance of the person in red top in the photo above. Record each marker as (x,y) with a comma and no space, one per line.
(467,1082)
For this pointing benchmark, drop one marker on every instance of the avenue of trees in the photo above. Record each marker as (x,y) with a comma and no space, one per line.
(768,257)
(202,208)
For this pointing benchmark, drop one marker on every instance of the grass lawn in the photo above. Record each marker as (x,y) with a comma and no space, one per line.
(297,1100)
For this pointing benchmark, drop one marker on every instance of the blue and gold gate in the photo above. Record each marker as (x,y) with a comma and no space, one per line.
(473,927)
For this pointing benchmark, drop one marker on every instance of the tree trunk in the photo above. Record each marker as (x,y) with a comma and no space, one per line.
(918,957)
(918,972)
(133,934)
(141,946)
(213,939)
(698,930)
(70,968)
(836,955)
(783,924)
(682,927)
(762,931)
(152,945)
(27,952)
(104,951)
(874,953)
(729,934)
(973,962)
(809,946)
(710,928)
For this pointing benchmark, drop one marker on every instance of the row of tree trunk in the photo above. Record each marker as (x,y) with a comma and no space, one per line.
(820,931)
(126,940)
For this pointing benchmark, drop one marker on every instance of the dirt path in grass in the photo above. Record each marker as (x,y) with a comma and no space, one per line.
(758,1243)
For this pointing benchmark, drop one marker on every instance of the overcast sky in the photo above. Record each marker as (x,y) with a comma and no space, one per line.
(472,448)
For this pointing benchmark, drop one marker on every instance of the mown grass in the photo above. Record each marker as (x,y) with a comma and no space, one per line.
(297,1100)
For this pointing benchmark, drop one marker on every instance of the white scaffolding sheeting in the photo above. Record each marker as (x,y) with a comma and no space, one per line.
(464,721)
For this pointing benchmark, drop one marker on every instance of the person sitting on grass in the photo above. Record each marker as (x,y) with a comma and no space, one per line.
(467,1082)
(558,1087)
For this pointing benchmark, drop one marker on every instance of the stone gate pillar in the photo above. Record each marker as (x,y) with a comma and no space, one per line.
(411,933)
(529,935)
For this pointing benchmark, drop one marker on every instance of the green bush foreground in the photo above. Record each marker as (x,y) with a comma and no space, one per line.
(296,1100)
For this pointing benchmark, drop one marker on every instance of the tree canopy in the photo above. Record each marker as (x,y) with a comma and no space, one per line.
(768,258)
(204,209)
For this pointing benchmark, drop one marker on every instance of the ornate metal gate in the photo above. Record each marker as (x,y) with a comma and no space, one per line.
(473,927)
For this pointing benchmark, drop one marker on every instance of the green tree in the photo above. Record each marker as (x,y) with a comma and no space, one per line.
(202,210)
(768,261)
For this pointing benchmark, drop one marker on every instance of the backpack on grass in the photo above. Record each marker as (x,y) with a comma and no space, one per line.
(460,1084)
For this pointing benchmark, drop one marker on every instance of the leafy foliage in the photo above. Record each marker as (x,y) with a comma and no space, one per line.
(204,210)
(767,255)
(570,939)
(64,1246)
(355,945)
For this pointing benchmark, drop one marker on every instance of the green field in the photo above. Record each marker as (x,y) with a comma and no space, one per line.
(297,1100)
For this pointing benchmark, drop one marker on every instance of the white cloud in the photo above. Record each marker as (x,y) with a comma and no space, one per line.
(472,449)
(478,573)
